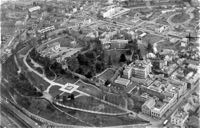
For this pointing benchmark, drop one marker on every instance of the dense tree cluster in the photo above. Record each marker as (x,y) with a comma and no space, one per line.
(50,66)
(87,63)
(22,85)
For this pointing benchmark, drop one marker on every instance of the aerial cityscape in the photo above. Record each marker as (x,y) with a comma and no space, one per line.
(100,63)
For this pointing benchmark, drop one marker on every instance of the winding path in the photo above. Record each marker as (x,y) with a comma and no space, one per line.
(61,85)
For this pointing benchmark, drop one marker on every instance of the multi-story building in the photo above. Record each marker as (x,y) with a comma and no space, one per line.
(148,105)
(179,117)
(127,73)
(141,68)
(47,29)
(179,86)
(156,108)
(158,63)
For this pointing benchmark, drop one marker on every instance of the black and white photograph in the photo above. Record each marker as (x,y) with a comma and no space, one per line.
(100,64)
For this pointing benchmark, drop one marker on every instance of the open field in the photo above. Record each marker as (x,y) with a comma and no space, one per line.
(102,120)
(66,79)
(88,88)
(89,103)
(43,109)
(9,68)
(54,90)
(106,74)
(180,18)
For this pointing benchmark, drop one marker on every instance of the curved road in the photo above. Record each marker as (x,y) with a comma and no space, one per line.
(61,85)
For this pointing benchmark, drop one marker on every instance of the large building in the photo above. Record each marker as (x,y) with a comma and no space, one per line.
(141,68)
(179,117)
(47,29)
(157,108)
(115,12)
(127,73)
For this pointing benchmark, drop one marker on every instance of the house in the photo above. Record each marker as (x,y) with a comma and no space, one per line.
(148,105)
(179,117)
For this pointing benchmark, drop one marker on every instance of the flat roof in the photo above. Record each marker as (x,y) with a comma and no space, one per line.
(122,81)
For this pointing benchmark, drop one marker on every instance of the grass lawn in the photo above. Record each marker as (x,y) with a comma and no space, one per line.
(7,27)
(115,99)
(40,107)
(179,18)
(107,74)
(88,88)
(54,90)
(103,120)
(151,38)
(162,21)
(37,80)
(66,79)
(9,68)
(89,103)
(166,45)
(67,94)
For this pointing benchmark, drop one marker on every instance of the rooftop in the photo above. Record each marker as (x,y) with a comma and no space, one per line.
(180,113)
(122,81)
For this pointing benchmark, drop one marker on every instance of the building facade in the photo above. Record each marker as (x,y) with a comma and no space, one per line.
(141,69)
(179,117)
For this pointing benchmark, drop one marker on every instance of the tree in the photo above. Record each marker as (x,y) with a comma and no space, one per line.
(133,45)
(25,102)
(128,52)
(149,47)
(73,64)
(109,61)
(71,97)
(107,82)
(82,59)
(99,66)
(91,55)
(122,58)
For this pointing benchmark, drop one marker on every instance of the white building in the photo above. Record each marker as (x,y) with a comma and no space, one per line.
(141,69)
(34,9)
(115,11)
(50,28)
(127,73)
(179,117)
